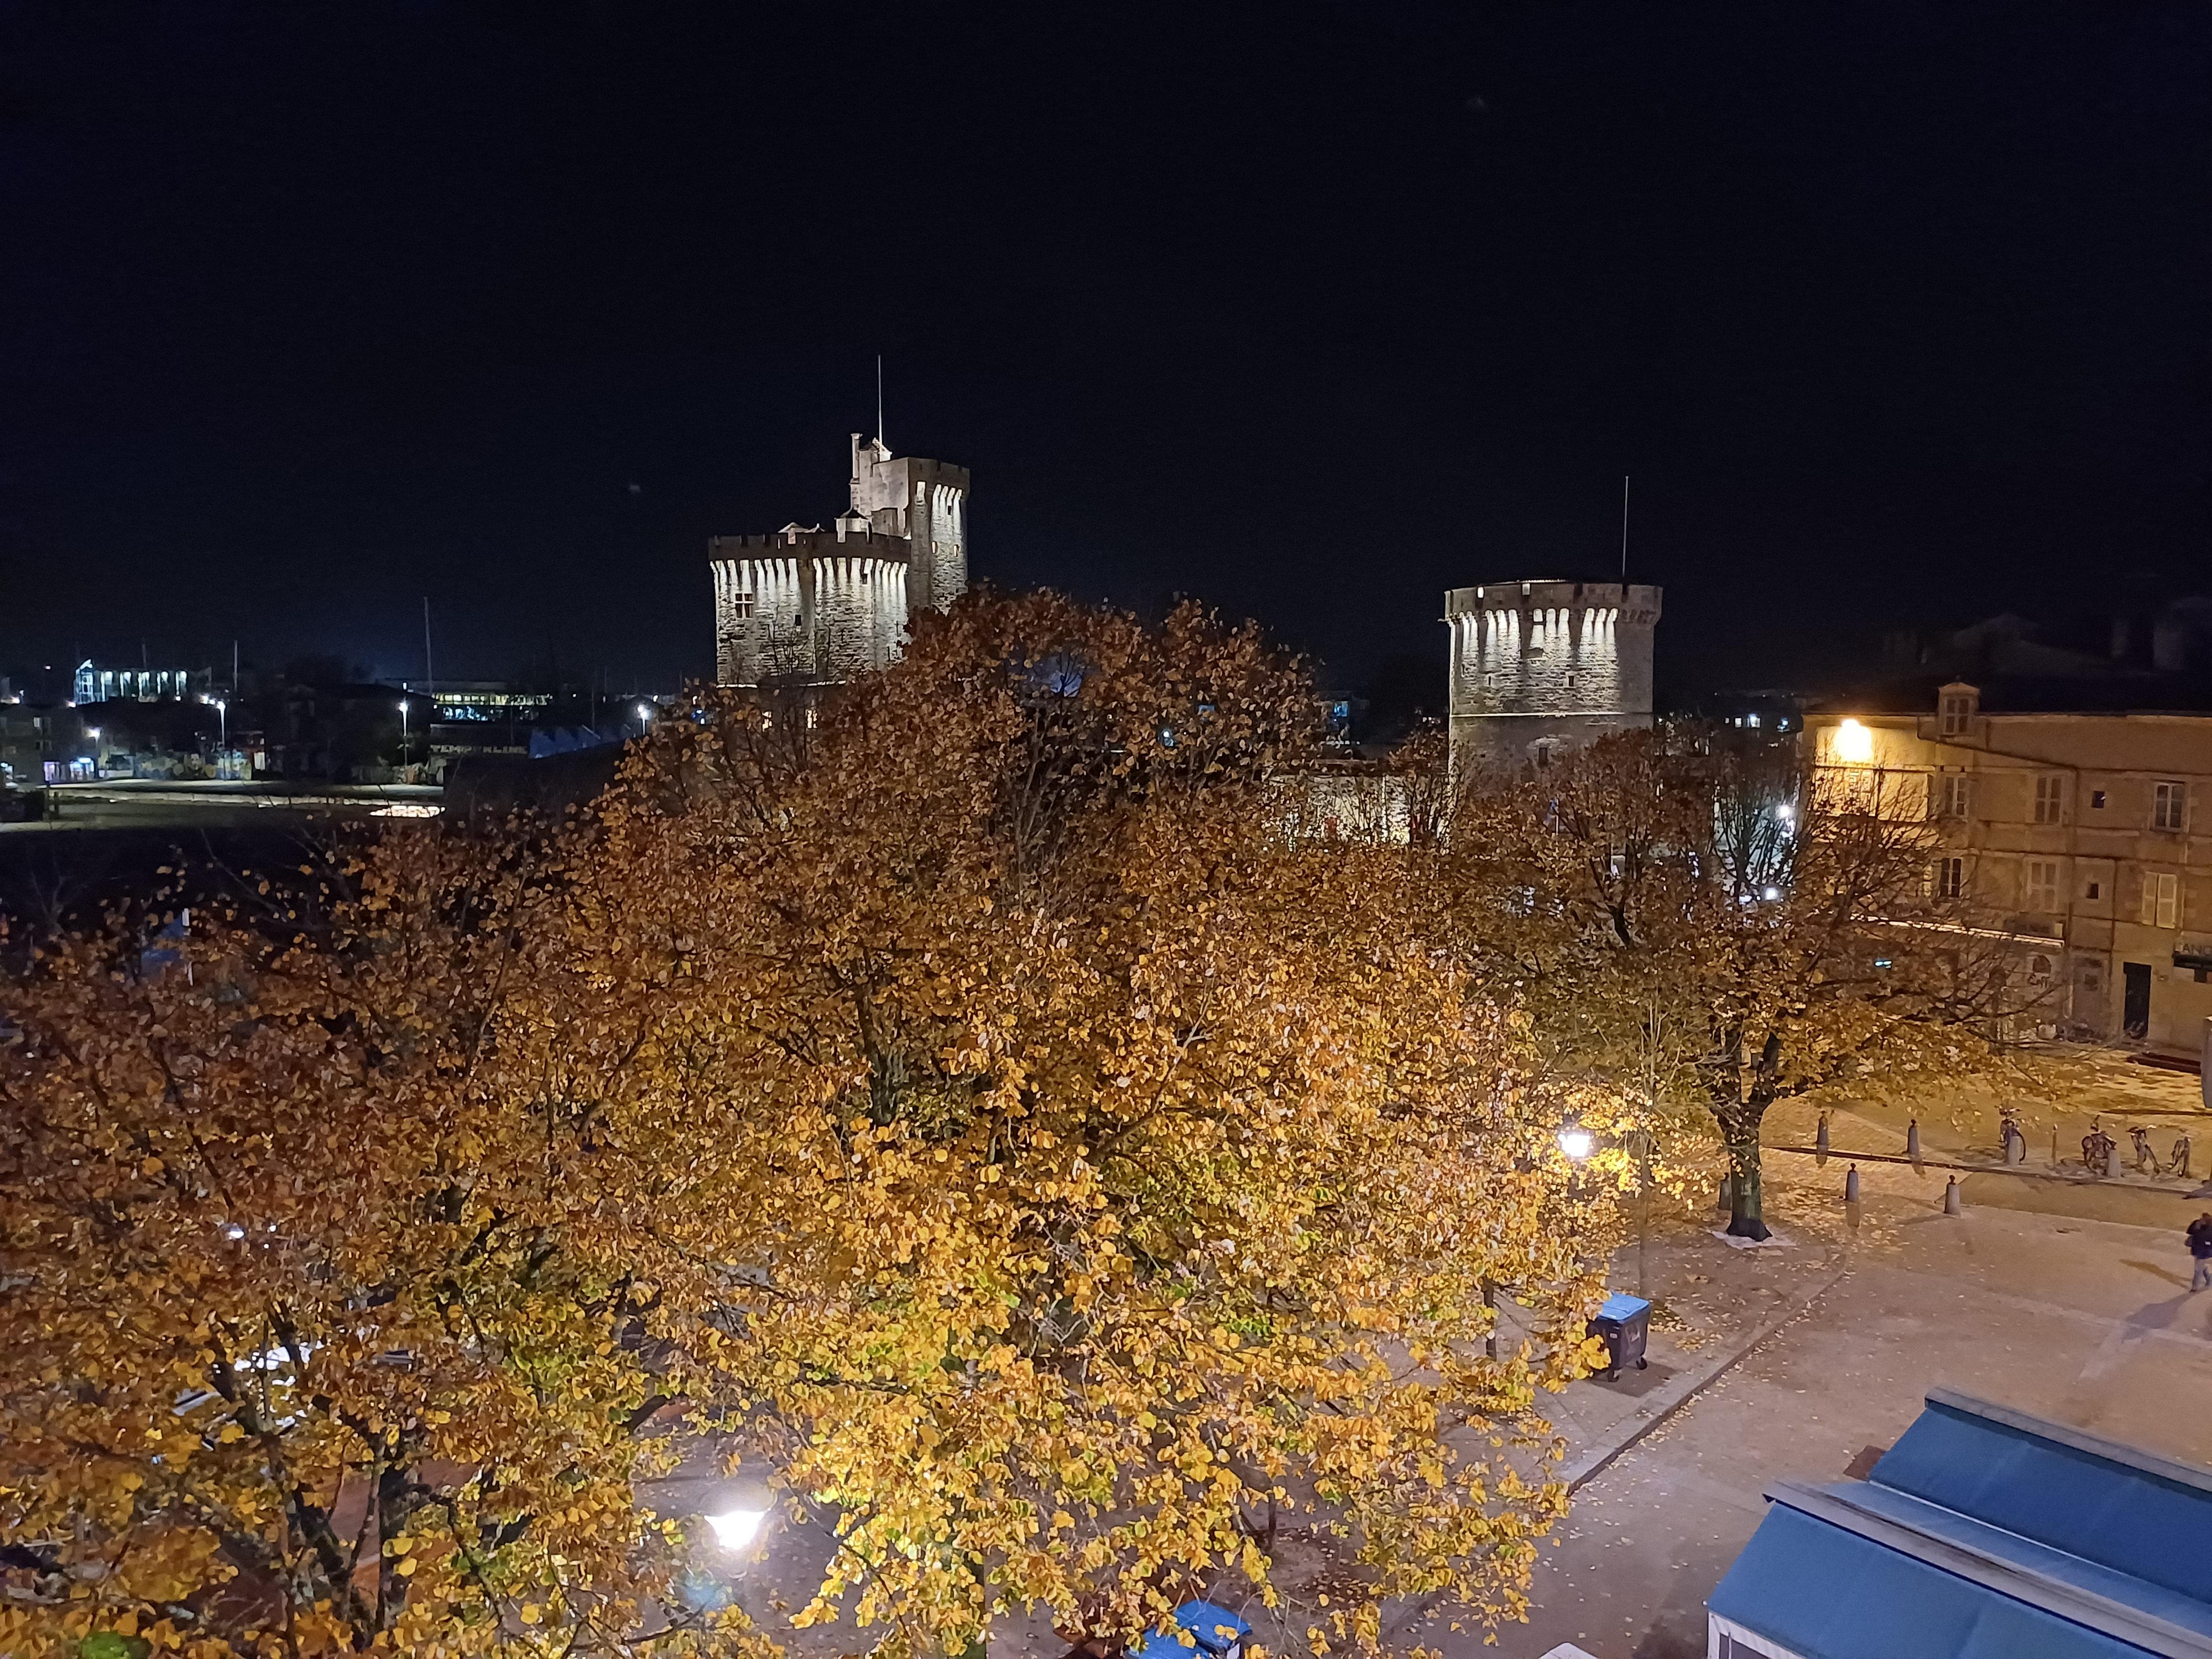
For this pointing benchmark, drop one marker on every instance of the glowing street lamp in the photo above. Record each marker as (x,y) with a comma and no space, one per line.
(736,1528)
(1854,743)
(402,731)
(736,1511)
(1577,1142)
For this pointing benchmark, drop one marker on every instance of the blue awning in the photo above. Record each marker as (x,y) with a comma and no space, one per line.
(1985,1534)
(1818,1590)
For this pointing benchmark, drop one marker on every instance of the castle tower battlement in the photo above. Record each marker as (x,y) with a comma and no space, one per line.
(807,605)
(1541,665)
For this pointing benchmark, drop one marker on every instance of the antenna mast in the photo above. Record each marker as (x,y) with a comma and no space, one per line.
(1624,526)
(880,400)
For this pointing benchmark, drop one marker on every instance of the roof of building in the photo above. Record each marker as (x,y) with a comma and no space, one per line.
(2017,694)
(1985,1534)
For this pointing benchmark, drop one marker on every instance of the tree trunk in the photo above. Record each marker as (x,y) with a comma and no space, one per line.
(1740,1134)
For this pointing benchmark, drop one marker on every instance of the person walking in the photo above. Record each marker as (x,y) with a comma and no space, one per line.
(2200,1246)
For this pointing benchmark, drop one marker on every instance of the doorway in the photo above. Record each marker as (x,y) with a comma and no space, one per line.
(2135,1011)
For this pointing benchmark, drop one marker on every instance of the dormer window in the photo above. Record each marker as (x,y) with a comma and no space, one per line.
(1955,708)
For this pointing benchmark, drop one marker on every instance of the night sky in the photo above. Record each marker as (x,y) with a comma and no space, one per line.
(1895,312)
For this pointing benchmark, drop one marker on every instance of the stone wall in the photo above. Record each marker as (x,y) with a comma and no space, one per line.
(1537,666)
(815,604)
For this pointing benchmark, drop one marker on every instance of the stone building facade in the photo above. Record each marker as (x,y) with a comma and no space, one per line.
(1539,667)
(2087,836)
(807,606)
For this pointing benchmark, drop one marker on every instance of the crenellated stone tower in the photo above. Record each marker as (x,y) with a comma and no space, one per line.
(1542,666)
(807,606)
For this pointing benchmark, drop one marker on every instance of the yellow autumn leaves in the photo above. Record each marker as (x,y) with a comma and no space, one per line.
(953,1097)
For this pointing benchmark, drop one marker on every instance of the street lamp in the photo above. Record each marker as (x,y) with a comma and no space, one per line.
(402,731)
(735,1529)
(1577,1142)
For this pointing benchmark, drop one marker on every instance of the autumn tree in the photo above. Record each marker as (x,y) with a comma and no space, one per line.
(953,1099)
(1683,909)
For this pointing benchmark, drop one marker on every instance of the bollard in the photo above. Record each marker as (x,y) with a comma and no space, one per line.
(1951,1196)
(2016,1145)
(1821,1137)
(1852,1185)
(1912,1139)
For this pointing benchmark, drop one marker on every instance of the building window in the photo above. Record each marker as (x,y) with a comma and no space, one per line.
(2050,798)
(2043,883)
(1950,877)
(2167,804)
(1954,795)
(741,604)
(2090,891)
(2097,800)
(1958,708)
(2161,900)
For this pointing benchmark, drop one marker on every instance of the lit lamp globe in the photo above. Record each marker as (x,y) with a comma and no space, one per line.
(736,1512)
(1577,1142)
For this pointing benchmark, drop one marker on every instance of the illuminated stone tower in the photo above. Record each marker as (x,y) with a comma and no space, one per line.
(1540,667)
(807,606)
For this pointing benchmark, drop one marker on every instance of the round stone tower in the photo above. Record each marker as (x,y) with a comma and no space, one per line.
(1542,666)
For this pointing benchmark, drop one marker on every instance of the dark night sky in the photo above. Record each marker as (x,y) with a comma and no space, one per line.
(1893,311)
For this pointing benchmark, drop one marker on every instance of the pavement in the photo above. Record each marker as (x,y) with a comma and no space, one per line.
(2086,1322)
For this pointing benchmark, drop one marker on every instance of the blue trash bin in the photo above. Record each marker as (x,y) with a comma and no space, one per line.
(1219,1634)
(1623,1323)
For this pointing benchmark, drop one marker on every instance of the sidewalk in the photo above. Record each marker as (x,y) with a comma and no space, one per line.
(2086,1322)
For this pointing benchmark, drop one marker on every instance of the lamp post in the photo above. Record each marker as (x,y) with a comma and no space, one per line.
(222,731)
(402,731)
(93,731)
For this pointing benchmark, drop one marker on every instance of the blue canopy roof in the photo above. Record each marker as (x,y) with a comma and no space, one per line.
(1828,1594)
(1985,1534)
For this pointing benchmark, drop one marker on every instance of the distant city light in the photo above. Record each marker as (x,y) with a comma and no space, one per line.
(1854,743)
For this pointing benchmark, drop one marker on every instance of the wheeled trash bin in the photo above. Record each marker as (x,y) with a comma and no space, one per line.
(1623,1323)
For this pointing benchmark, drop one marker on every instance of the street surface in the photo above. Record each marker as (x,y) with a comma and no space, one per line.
(2086,1322)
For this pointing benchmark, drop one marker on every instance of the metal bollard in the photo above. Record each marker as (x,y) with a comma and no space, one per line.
(1951,1205)
(1821,1137)
(1912,1139)
(1852,1185)
(2016,1145)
